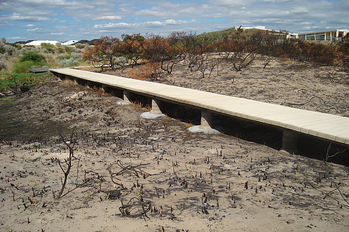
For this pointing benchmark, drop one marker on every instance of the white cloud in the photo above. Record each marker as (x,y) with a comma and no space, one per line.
(6,24)
(232,3)
(83,18)
(114,25)
(73,5)
(58,33)
(171,21)
(16,38)
(58,21)
(25,18)
(148,23)
(103,18)
(37,30)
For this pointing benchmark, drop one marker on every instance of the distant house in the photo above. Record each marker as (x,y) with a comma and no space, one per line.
(323,36)
(89,42)
(53,42)
(38,42)
(280,34)
(69,42)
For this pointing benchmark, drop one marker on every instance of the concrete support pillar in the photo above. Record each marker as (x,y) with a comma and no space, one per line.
(155,106)
(127,96)
(105,88)
(290,141)
(90,84)
(76,81)
(206,120)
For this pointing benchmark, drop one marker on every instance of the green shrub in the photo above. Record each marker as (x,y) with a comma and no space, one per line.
(28,46)
(33,56)
(18,46)
(22,67)
(80,46)
(9,49)
(47,47)
(14,80)
(29,59)
(3,65)
(2,49)
(63,56)
(76,55)
(89,47)
(68,49)
(60,50)
(67,62)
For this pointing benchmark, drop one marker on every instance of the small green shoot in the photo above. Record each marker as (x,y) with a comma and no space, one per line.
(36,184)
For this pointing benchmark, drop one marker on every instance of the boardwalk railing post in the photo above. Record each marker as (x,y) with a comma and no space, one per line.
(155,106)
(290,141)
(206,120)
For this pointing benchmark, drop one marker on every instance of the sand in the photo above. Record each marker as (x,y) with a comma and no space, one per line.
(134,174)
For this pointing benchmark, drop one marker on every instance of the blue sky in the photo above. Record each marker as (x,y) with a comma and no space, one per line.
(64,20)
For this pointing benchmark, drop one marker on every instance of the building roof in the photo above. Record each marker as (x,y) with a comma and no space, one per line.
(69,42)
(38,42)
(53,42)
(318,32)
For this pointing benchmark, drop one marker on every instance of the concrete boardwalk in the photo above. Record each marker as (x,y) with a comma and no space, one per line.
(326,126)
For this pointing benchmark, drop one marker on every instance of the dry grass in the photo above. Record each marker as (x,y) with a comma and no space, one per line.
(144,71)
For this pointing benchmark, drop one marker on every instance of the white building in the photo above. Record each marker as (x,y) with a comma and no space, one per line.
(333,35)
(38,42)
(53,42)
(70,42)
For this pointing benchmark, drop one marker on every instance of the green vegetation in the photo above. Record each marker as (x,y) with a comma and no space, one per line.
(3,65)
(32,56)
(64,56)
(66,60)
(48,48)
(6,102)
(216,36)
(14,80)
(29,60)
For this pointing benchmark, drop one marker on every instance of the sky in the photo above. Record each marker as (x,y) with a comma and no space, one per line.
(64,20)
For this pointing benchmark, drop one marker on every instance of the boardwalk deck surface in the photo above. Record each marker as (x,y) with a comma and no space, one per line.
(326,126)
